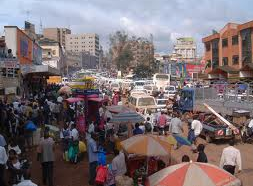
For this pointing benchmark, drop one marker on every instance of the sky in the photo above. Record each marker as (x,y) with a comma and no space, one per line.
(164,19)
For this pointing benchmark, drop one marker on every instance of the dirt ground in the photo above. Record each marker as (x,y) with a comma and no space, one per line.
(66,174)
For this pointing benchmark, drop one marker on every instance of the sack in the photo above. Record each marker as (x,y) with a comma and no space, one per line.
(82,147)
(101,158)
(101,175)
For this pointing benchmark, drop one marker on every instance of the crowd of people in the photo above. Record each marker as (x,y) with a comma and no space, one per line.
(46,108)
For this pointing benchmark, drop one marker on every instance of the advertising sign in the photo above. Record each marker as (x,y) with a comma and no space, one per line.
(9,63)
(24,46)
(37,54)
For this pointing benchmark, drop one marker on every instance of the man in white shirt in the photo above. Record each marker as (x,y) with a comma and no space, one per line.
(27,180)
(74,133)
(230,158)
(197,127)
(118,163)
(3,160)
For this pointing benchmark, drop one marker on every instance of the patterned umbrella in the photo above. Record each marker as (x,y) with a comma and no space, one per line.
(193,174)
(147,145)
(127,117)
(65,90)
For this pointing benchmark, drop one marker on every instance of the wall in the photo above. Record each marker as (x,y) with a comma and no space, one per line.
(24,48)
(11,39)
(56,49)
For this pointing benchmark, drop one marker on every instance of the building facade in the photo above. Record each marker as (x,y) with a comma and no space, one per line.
(52,54)
(142,50)
(83,43)
(229,52)
(57,34)
(185,47)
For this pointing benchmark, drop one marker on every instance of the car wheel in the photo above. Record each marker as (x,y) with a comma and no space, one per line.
(208,138)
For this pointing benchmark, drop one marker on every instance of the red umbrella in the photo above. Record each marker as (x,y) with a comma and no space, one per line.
(74,100)
(193,174)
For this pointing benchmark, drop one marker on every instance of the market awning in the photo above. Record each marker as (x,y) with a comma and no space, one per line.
(247,67)
(118,109)
(43,69)
(98,99)
(74,100)
(226,69)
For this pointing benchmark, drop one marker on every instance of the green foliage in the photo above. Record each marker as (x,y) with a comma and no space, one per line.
(143,71)
(123,59)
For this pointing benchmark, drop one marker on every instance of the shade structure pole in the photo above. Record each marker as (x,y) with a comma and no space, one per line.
(129,129)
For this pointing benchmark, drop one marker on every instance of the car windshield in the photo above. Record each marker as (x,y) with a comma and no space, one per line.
(148,87)
(161,102)
(139,83)
(114,85)
(146,101)
(162,77)
(170,88)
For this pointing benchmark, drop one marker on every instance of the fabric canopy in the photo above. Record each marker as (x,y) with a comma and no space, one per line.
(147,145)
(127,117)
(74,100)
(193,174)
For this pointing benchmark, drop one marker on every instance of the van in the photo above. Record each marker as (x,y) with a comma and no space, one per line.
(150,89)
(141,102)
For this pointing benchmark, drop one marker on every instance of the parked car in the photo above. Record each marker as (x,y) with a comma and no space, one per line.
(162,104)
(170,91)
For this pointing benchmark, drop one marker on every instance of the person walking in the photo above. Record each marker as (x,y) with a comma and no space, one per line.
(47,158)
(176,127)
(3,160)
(119,163)
(230,158)
(93,158)
(196,127)
(202,155)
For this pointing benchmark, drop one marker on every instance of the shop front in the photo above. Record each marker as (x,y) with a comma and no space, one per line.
(10,80)
(35,77)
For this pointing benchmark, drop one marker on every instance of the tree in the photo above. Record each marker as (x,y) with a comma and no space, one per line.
(143,71)
(120,52)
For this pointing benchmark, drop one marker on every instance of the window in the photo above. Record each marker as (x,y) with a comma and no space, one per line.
(235,59)
(10,72)
(235,40)
(225,61)
(208,47)
(224,42)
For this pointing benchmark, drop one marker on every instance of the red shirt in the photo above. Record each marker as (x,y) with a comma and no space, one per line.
(162,120)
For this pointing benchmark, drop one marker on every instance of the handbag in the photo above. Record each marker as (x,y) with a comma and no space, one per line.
(101,175)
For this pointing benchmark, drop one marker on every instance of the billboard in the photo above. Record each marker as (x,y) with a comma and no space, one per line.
(37,54)
(24,48)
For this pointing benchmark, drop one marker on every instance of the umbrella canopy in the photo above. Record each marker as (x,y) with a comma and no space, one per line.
(193,174)
(147,145)
(127,117)
(181,140)
(74,100)
(30,126)
(65,90)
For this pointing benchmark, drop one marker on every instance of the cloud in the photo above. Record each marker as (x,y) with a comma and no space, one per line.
(165,20)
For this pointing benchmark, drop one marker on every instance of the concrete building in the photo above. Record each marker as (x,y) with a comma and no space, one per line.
(186,48)
(142,50)
(73,62)
(83,43)
(229,52)
(89,61)
(52,54)
(57,34)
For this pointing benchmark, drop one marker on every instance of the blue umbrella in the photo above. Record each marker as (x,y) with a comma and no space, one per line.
(127,117)
(30,126)
(181,140)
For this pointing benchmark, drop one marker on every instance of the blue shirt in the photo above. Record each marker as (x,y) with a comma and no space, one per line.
(2,141)
(137,131)
(92,150)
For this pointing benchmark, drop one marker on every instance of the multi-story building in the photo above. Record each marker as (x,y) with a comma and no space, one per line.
(57,34)
(52,54)
(142,50)
(83,43)
(185,47)
(229,52)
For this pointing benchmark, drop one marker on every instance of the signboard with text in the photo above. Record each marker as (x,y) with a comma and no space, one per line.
(9,63)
